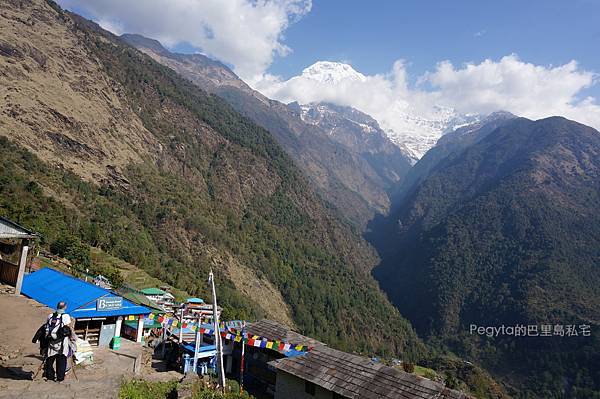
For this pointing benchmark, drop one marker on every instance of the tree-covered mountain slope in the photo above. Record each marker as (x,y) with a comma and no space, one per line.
(506,232)
(102,146)
(356,180)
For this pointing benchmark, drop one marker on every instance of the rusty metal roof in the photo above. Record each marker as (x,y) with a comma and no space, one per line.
(358,377)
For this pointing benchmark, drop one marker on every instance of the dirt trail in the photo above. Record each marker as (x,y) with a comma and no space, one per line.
(19,358)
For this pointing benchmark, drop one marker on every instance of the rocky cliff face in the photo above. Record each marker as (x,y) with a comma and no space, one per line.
(354,180)
(58,102)
(361,135)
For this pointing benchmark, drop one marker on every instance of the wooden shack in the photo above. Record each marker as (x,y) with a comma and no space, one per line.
(14,235)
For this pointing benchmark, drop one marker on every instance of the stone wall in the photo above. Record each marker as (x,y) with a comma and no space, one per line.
(292,387)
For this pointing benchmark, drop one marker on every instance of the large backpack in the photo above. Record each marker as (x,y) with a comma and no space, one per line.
(55,329)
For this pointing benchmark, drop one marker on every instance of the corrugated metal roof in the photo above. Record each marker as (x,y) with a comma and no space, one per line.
(152,291)
(10,229)
(139,299)
(357,377)
(49,287)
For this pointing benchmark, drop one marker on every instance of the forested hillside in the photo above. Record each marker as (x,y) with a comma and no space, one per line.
(104,147)
(354,178)
(506,232)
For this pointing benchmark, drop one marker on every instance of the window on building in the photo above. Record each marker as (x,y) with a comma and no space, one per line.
(309,387)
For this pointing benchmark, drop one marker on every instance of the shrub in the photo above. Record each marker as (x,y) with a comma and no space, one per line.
(408,367)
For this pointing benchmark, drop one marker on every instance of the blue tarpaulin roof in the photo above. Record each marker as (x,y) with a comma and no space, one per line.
(202,349)
(49,287)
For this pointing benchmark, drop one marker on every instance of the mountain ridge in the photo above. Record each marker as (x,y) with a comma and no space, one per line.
(346,178)
(504,232)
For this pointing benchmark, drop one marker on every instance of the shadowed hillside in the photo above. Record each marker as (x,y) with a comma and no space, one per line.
(506,232)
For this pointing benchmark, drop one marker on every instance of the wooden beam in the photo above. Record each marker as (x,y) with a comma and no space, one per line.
(22,263)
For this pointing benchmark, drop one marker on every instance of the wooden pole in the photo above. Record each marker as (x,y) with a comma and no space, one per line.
(164,341)
(242,359)
(22,263)
(181,325)
(220,369)
(196,347)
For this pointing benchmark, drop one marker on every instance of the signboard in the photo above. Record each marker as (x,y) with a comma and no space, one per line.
(109,303)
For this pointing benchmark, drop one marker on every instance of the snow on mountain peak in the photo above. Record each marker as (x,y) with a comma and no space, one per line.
(332,72)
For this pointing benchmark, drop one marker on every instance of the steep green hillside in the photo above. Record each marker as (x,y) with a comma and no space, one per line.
(353,169)
(507,232)
(103,146)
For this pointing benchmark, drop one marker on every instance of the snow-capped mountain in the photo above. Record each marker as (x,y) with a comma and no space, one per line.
(360,134)
(331,73)
(420,134)
(415,128)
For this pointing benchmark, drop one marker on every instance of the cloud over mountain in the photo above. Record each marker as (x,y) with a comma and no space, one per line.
(248,35)
(244,33)
(525,89)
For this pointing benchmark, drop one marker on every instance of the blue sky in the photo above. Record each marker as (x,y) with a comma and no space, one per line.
(372,37)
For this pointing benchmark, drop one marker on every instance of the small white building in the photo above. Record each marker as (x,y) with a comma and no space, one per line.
(164,299)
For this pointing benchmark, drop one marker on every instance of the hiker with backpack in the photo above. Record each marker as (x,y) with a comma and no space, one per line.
(59,337)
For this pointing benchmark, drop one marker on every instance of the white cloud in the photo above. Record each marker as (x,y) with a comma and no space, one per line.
(247,34)
(525,89)
(424,109)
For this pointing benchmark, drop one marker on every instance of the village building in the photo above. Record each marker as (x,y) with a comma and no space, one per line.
(98,313)
(14,249)
(162,298)
(196,308)
(327,373)
(259,375)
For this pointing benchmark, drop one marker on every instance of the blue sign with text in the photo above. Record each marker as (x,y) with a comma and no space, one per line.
(109,303)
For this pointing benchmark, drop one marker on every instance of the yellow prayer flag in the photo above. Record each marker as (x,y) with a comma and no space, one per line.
(270,345)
